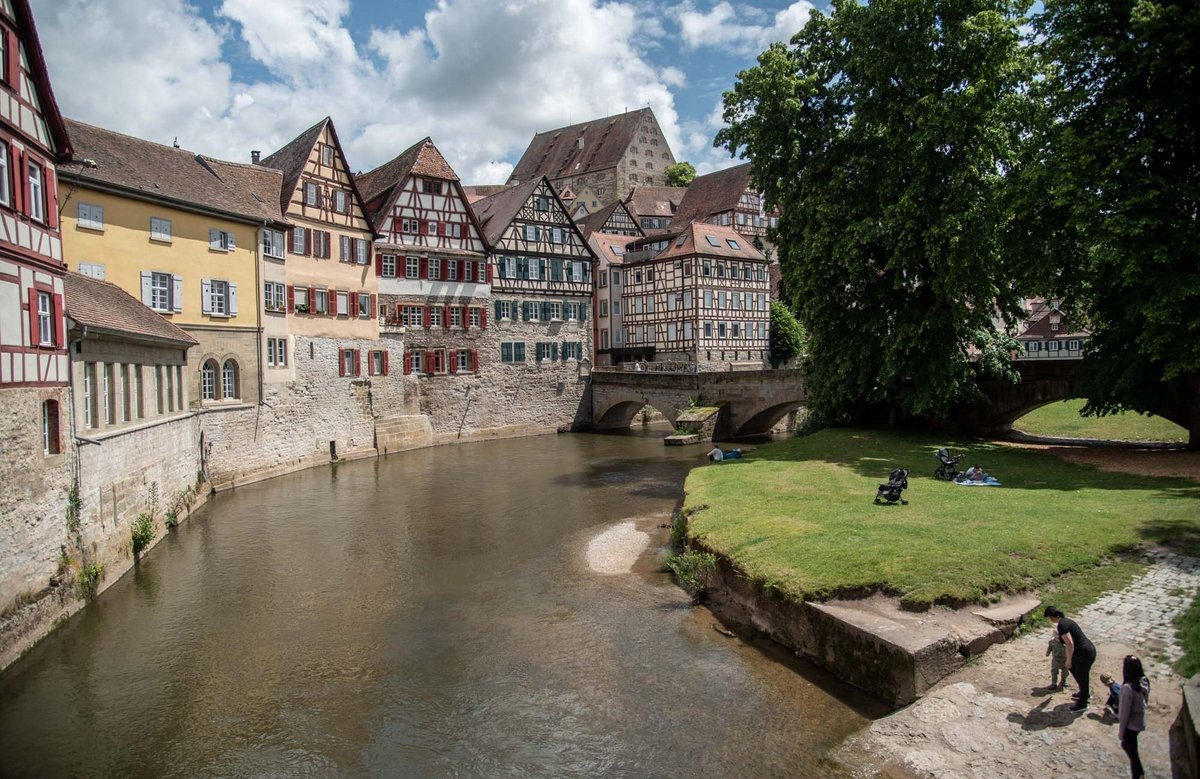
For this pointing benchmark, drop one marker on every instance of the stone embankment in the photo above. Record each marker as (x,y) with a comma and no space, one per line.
(995,717)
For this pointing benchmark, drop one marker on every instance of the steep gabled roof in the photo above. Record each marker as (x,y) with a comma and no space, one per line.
(105,307)
(480,191)
(158,172)
(1041,316)
(654,201)
(711,194)
(693,239)
(41,78)
(593,223)
(379,186)
(496,212)
(292,158)
(558,153)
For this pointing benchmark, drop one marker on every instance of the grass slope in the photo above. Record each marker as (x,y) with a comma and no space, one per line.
(1062,420)
(799,517)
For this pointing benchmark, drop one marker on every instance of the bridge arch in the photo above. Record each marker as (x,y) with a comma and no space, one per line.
(764,420)
(621,414)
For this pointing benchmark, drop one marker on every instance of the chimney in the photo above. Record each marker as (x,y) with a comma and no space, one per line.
(255,154)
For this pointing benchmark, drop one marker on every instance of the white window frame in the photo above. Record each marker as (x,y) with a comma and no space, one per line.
(312,194)
(274,296)
(5,188)
(155,279)
(37,194)
(218,299)
(274,243)
(229,389)
(343,303)
(434,269)
(161,230)
(45,315)
(299,246)
(412,267)
(387,266)
(364,305)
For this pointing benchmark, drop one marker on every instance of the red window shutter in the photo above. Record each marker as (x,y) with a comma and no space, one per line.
(453,359)
(357,362)
(21,190)
(331,302)
(373,313)
(462,269)
(483,317)
(446,316)
(423,227)
(33,317)
(386,354)
(341,362)
(474,361)
(291,240)
(489,273)
(353,304)
(378,263)
(12,68)
(407,363)
(427,318)
(312,300)
(51,187)
(429,361)
(424,274)
(291,299)
(308,239)
(59,321)
(445,269)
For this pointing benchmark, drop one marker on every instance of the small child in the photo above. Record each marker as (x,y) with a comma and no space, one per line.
(1114,694)
(1056,650)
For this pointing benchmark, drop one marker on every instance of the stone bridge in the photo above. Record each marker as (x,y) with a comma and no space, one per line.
(755,400)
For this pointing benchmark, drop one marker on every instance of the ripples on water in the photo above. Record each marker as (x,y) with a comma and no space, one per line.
(427,614)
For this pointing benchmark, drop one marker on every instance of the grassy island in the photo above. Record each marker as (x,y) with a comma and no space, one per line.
(798,517)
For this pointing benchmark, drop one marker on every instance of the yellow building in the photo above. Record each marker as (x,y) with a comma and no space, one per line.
(182,233)
(331,288)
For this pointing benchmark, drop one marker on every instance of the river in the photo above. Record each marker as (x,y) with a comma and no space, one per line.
(427,614)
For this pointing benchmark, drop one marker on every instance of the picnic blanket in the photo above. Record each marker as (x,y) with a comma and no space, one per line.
(988,482)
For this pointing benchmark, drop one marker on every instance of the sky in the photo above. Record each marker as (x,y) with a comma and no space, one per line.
(478,76)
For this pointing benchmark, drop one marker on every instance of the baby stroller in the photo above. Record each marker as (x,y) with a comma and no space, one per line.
(897,483)
(948,468)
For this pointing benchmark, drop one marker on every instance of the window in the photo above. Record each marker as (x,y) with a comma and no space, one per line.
(1073,346)
(378,362)
(435,269)
(603,308)
(160,229)
(604,338)
(435,316)
(542,203)
(556,235)
(45,319)
(349,362)
(452,271)
(410,226)
(221,241)
(361,255)
(274,294)
(276,352)
(326,155)
(616,307)
(416,362)
(1033,346)
(431,187)
(219,298)
(456,317)
(299,245)
(364,305)
(546,352)
(504,309)
(91,217)
(578,269)
(712,241)
(50,439)
(732,244)
(272,242)
(345,246)
(721,330)
(37,196)
(604,278)
(720,270)
(412,316)
(512,351)
(208,380)
(300,299)
(320,302)
(735,330)
(126,394)
(320,243)
(706,269)
(343,303)
(158,291)
(572,350)
(312,194)
(341,201)
(5,190)
(473,316)
(1053,345)
(555,311)
(387,266)
(412,267)
(462,360)
(531,232)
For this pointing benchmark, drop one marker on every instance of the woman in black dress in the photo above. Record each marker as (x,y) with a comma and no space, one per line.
(1081,653)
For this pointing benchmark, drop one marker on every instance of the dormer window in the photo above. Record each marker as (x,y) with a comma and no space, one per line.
(712,241)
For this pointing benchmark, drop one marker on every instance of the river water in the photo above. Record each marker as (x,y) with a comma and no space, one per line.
(428,614)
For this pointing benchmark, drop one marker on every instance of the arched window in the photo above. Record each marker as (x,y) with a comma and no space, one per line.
(50,442)
(208,380)
(229,380)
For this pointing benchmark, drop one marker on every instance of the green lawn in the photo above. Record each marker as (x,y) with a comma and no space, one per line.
(1062,420)
(799,516)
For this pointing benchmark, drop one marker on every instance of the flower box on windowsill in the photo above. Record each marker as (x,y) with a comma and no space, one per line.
(301,308)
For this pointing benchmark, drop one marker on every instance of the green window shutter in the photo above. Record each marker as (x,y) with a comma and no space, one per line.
(545,311)
(554,351)
(583,311)
(497,310)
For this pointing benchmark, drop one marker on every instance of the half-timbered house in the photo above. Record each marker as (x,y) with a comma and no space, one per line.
(726,197)
(654,207)
(430,261)
(699,295)
(1049,334)
(35,426)
(542,282)
(330,290)
(608,335)
(614,219)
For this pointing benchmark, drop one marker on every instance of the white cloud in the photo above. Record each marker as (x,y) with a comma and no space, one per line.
(478,76)
(725,27)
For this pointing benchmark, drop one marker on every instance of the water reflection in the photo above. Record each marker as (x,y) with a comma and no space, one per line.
(426,614)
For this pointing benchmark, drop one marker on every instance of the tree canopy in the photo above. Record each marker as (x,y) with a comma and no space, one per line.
(680,174)
(883,132)
(787,335)
(1110,196)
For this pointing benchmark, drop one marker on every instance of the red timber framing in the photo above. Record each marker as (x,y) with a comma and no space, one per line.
(33,139)
(430,257)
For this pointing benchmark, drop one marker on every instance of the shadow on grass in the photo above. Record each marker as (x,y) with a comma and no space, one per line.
(1177,534)
(874,454)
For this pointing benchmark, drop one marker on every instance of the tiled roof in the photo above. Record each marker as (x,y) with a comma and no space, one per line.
(99,305)
(292,158)
(558,153)
(602,244)
(1039,324)
(480,191)
(654,201)
(378,186)
(695,241)
(594,222)
(496,212)
(157,171)
(712,194)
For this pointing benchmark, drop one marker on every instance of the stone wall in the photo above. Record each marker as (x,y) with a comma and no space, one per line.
(308,421)
(33,502)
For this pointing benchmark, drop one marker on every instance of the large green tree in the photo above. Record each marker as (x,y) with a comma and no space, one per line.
(884,131)
(680,174)
(787,335)
(1112,196)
